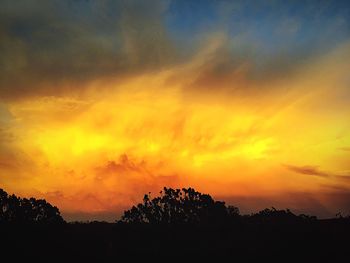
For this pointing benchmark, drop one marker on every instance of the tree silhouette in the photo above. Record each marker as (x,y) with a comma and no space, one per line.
(175,206)
(21,210)
(276,216)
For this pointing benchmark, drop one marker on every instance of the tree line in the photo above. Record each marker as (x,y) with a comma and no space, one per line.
(171,207)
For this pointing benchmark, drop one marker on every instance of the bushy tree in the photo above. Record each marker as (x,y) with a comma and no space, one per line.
(16,209)
(178,206)
(274,215)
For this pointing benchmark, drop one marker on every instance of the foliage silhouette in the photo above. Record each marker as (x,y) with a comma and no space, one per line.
(182,223)
(278,216)
(187,206)
(179,206)
(23,210)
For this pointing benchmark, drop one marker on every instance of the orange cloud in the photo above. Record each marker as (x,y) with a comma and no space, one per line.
(99,151)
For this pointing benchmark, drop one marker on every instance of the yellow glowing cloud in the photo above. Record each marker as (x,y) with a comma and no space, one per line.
(125,138)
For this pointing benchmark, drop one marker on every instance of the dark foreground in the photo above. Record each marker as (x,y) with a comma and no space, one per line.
(315,241)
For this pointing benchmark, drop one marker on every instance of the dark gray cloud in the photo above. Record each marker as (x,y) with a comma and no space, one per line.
(55,47)
(7,156)
(47,43)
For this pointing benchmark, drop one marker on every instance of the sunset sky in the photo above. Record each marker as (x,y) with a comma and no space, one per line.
(104,101)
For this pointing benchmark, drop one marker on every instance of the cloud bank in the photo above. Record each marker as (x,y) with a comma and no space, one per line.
(101,102)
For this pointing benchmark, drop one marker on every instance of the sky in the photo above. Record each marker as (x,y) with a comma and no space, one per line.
(104,101)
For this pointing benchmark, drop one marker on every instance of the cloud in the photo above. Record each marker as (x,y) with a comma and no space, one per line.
(58,47)
(308,170)
(315,171)
(109,188)
(129,169)
(347,149)
(55,47)
(107,100)
(345,177)
(121,168)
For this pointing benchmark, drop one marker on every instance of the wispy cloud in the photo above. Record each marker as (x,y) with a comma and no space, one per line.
(308,170)
(49,45)
(315,171)
(347,149)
